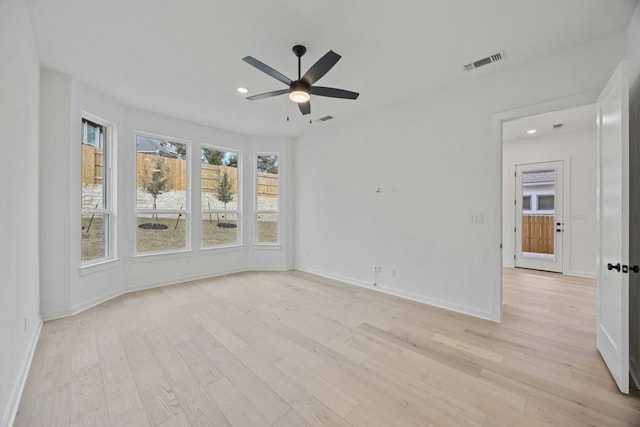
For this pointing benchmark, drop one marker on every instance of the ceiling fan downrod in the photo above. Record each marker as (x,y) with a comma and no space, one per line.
(299,51)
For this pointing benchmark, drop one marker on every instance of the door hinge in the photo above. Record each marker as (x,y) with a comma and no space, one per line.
(515,174)
(514,257)
(515,202)
(514,229)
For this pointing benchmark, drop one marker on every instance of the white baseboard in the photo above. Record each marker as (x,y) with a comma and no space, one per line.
(162,283)
(581,274)
(143,286)
(16,393)
(254,268)
(339,278)
(402,294)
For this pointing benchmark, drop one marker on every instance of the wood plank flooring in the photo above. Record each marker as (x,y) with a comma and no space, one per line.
(292,349)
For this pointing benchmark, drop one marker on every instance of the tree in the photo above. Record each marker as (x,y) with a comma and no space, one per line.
(213,157)
(181,149)
(231,160)
(225,192)
(268,164)
(156,180)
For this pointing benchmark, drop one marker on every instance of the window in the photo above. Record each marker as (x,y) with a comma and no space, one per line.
(162,188)
(267,189)
(546,203)
(96,198)
(526,203)
(219,197)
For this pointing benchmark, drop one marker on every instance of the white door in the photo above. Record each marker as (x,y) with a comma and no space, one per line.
(539,224)
(613,226)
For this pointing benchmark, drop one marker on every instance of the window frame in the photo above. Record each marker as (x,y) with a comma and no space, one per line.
(186,212)
(257,211)
(237,212)
(109,187)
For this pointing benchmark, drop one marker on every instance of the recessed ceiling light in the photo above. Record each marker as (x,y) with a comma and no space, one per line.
(243,90)
(531,131)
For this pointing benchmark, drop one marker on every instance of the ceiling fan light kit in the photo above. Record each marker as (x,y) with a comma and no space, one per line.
(299,95)
(300,90)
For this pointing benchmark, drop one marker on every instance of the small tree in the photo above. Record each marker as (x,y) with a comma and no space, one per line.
(225,192)
(156,180)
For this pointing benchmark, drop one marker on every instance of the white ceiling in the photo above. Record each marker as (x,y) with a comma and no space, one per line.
(183,58)
(572,120)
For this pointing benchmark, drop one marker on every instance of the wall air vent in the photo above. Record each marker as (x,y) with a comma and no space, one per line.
(324,119)
(558,125)
(484,61)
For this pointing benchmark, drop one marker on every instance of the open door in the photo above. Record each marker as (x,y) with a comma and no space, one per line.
(613,226)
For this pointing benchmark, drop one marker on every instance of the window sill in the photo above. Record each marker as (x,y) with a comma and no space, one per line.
(155,256)
(98,266)
(222,248)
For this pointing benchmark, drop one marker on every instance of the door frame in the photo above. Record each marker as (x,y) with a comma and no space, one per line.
(564,210)
(497,120)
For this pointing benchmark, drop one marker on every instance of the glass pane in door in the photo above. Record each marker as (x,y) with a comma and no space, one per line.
(538,214)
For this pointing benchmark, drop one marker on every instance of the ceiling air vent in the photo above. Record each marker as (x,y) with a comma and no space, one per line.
(484,61)
(324,119)
(558,125)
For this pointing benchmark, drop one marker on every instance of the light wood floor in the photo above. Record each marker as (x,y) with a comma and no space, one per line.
(291,349)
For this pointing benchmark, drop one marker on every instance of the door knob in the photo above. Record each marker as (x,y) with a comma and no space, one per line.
(613,267)
(635,269)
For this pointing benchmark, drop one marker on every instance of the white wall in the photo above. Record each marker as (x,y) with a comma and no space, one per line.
(440,153)
(578,151)
(66,287)
(19,257)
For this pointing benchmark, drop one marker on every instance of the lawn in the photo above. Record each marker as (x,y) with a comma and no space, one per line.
(173,237)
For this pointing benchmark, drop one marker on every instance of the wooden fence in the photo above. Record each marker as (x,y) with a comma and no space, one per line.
(92,160)
(211,175)
(176,170)
(538,234)
(92,163)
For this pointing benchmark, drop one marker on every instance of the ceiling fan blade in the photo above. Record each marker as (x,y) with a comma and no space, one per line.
(268,94)
(305,108)
(332,92)
(321,67)
(268,70)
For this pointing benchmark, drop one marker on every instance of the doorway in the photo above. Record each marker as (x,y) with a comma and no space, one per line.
(539,223)
(549,191)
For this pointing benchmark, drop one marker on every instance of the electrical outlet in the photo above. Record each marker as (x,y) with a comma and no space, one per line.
(476,219)
(377,269)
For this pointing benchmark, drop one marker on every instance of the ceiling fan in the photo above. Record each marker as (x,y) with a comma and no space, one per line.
(300,90)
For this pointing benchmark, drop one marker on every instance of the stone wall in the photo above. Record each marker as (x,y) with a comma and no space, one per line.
(172,200)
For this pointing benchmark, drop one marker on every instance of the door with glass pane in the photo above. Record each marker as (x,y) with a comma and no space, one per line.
(539,225)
